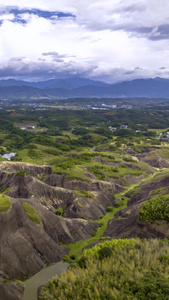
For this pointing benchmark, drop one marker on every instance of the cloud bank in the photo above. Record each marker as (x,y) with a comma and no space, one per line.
(111,40)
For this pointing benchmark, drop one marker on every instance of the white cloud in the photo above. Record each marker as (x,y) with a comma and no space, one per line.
(109,40)
(6,17)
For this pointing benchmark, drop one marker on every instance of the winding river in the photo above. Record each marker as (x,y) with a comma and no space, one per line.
(41,278)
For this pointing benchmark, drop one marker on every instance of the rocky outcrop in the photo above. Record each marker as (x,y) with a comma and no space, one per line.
(27,187)
(33,170)
(26,247)
(134,179)
(156,161)
(93,185)
(52,197)
(90,208)
(145,190)
(127,225)
(55,191)
(11,291)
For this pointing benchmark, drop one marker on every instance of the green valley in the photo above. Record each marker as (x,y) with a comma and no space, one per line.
(85,183)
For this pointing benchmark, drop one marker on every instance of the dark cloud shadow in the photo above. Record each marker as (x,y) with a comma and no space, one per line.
(161,33)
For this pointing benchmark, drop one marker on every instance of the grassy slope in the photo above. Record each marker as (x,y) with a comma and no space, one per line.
(31,213)
(5,203)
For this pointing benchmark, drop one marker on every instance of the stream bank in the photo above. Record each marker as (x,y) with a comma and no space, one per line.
(42,278)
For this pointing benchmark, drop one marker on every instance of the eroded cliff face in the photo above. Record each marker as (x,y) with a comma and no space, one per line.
(33,170)
(90,208)
(92,185)
(11,291)
(54,191)
(26,247)
(156,161)
(127,224)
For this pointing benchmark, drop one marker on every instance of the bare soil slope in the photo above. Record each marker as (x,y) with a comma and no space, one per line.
(127,225)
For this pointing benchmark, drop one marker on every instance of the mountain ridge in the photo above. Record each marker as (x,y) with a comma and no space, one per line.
(80,87)
(68,83)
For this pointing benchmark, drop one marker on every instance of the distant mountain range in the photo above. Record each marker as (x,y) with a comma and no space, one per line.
(81,87)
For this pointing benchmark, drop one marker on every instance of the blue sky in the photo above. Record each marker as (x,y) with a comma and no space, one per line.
(110,40)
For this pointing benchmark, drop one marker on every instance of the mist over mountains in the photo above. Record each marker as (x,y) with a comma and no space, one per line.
(81,87)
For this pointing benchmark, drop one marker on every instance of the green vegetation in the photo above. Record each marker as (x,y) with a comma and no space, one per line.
(133,192)
(110,208)
(31,213)
(103,172)
(4,188)
(5,203)
(74,173)
(59,211)
(83,193)
(119,203)
(116,269)
(77,247)
(86,145)
(22,173)
(155,209)
(104,253)
(78,143)
(160,191)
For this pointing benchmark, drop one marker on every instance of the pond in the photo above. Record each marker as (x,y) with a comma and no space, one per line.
(8,156)
(42,278)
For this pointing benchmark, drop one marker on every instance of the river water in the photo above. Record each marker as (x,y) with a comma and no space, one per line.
(42,278)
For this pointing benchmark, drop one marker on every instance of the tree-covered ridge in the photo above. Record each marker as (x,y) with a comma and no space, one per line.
(133,269)
(155,209)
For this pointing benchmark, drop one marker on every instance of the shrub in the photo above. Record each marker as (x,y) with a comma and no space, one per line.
(66,258)
(59,211)
(119,203)
(94,232)
(80,131)
(110,208)
(83,193)
(113,196)
(164,258)
(4,188)
(22,173)
(82,262)
(32,146)
(128,159)
(112,148)
(104,252)
(33,153)
(73,256)
(133,192)
(101,216)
